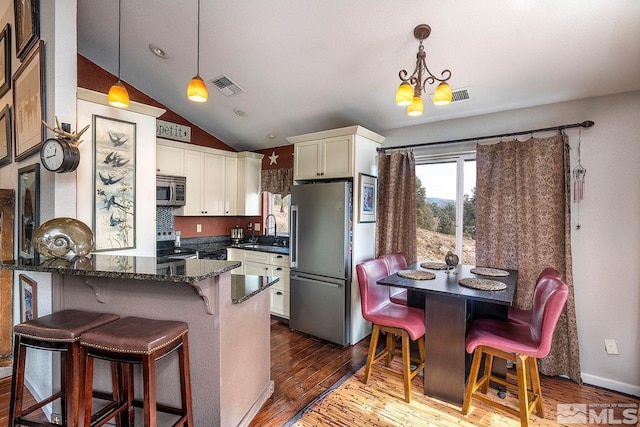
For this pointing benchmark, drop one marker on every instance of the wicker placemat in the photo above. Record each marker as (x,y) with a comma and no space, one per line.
(483,284)
(485,271)
(417,274)
(434,265)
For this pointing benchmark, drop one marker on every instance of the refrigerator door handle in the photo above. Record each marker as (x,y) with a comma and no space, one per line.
(317,282)
(293,255)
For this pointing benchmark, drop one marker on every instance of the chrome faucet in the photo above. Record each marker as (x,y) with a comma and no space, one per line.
(266,225)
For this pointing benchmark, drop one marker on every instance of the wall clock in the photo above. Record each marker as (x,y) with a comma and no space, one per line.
(60,155)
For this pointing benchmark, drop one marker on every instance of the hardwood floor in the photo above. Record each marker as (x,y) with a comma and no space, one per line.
(303,367)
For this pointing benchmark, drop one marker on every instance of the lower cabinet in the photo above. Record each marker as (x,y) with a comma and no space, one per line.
(266,264)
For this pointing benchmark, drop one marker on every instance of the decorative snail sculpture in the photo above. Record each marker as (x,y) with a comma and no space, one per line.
(63,238)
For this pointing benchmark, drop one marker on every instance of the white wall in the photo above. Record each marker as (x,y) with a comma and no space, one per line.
(145,174)
(606,249)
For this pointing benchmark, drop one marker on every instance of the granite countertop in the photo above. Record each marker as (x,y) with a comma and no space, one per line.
(212,244)
(244,287)
(130,267)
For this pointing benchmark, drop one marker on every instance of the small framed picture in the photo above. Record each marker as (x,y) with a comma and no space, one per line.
(5,136)
(28,104)
(27,25)
(28,298)
(368,198)
(5,60)
(28,199)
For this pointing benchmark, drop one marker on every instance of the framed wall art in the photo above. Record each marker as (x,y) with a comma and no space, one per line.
(5,136)
(28,104)
(28,212)
(28,298)
(114,178)
(27,25)
(367,194)
(5,60)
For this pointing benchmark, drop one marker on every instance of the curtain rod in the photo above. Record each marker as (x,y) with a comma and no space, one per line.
(585,124)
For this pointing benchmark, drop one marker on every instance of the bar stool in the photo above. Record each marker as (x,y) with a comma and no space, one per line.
(136,340)
(55,332)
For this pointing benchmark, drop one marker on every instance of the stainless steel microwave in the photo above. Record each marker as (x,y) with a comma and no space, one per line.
(171,190)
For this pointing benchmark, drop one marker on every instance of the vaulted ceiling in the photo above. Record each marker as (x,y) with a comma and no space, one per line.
(309,65)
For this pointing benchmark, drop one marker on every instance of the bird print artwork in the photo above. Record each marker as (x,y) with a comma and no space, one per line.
(117,139)
(114,183)
(110,179)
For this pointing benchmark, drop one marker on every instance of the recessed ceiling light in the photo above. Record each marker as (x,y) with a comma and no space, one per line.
(158,51)
(239,112)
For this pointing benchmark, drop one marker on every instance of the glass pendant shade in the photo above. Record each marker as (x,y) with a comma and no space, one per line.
(197,90)
(404,95)
(118,95)
(442,95)
(416,108)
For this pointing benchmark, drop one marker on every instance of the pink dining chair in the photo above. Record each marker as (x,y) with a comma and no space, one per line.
(393,319)
(396,262)
(519,343)
(518,315)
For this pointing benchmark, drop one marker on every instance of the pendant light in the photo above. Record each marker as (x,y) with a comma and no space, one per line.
(118,95)
(197,89)
(410,90)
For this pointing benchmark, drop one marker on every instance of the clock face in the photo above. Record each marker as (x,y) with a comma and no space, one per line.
(52,155)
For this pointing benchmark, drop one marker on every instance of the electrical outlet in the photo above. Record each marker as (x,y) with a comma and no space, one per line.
(610,346)
(56,419)
(199,228)
(256,226)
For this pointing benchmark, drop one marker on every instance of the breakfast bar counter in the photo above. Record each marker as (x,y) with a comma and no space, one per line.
(228,318)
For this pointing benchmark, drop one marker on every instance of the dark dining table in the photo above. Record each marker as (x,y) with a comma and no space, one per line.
(449,308)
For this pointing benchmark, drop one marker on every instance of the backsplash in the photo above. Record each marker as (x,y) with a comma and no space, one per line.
(164,217)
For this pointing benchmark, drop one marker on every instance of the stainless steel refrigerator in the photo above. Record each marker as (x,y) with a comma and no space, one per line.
(320,251)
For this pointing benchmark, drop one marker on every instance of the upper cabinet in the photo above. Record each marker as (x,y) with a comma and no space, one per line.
(169,160)
(337,153)
(218,182)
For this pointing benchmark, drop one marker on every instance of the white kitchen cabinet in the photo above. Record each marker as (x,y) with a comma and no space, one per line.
(230,186)
(169,160)
(249,183)
(234,254)
(324,158)
(218,182)
(267,264)
(205,183)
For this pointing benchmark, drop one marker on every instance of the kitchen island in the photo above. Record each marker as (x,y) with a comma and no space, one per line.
(228,319)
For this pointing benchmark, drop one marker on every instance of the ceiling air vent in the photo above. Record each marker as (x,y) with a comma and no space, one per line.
(226,86)
(459,95)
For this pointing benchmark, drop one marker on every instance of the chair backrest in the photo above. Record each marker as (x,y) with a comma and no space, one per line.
(395,262)
(549,272)
(372,295)
(550,298)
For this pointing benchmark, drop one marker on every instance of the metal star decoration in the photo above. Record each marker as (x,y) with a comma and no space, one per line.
(273,158)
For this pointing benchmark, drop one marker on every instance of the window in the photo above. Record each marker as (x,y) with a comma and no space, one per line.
(445,198)
(278,206)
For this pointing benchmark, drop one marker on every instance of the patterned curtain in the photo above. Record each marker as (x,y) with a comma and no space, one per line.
(396,227)
(277,181)
(523,222)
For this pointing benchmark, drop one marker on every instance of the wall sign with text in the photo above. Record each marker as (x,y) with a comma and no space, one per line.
(175,131)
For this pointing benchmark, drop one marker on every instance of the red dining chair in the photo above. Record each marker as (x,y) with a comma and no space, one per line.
(519,343)
(518,315)
(396,262)
(393,319)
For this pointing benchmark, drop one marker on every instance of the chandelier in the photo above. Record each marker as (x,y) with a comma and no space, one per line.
(410,91)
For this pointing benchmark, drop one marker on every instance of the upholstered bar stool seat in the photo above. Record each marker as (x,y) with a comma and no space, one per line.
(136,340)
(59,332)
